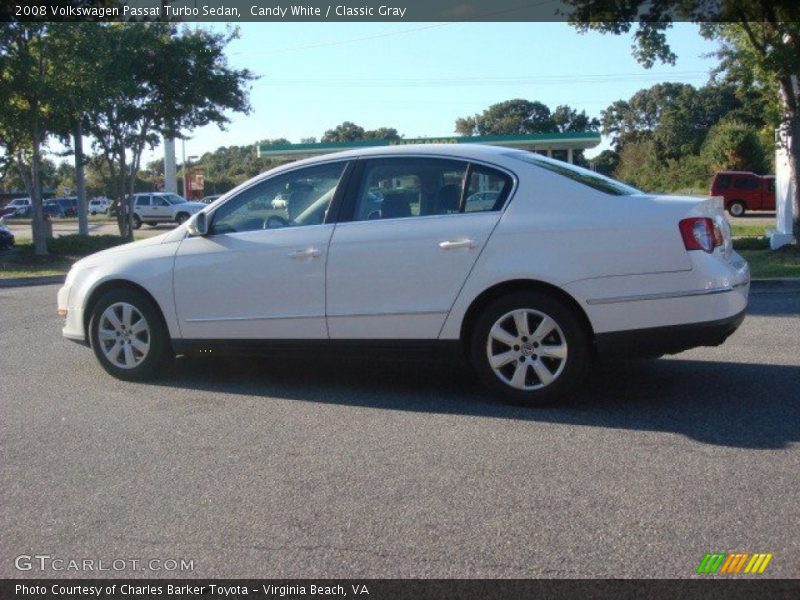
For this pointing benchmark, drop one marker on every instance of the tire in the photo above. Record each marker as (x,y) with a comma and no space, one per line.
(93,213)
(737,208)
(541,379)
(137,221)
(181,217)
(130,361)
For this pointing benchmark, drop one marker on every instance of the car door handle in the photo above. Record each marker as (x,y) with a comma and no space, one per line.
(307,253)
(455,244)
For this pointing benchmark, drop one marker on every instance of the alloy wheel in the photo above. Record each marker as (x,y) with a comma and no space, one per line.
(124,335)
(526,349)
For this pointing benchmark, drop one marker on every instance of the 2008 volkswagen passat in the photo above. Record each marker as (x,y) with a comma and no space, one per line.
(530,266)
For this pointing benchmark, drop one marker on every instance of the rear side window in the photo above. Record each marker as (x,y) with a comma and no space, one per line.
(746,183)
(394,188)
(723,182)
(580,175)
(487,189)
(143,201)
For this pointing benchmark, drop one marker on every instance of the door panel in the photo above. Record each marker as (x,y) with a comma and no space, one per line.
(263,284)
(260,274)
(398,278)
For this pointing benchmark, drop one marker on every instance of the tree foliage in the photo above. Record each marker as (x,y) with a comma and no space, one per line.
(759,43)
(520,116)
(350,132)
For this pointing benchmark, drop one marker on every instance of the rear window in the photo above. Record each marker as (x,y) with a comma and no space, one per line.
(580,175)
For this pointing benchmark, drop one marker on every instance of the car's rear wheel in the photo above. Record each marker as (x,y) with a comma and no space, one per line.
(530,348)
(128,336)
(181,217)
(737,208)
(137,221)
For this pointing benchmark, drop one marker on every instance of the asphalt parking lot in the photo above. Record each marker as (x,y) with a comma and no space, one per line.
(316,467)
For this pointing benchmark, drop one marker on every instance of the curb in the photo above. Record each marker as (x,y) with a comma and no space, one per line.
(30,281)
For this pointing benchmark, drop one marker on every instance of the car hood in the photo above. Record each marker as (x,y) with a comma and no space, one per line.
(103,255)
(193,205)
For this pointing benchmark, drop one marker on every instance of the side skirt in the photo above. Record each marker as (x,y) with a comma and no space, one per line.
(334,348)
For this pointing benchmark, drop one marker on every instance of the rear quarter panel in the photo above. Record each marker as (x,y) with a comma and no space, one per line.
(558,231)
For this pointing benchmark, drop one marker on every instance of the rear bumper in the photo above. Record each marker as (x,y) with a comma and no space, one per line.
(655,341)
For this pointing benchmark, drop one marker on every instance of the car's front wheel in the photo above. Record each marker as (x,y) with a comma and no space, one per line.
(181,217)
(128,336)
(530,348)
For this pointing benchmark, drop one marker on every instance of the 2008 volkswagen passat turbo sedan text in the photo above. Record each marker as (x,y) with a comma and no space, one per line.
(529,266)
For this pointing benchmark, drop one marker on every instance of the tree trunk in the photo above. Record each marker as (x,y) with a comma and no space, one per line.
(124,218)
(83,221)
(37,214)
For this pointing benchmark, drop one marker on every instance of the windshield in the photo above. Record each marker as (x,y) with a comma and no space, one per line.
(579,174)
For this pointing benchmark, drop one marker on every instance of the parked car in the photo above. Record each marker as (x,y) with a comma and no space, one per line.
(17,204)
(155,208)
(98,205)
(743,191)
(6,237)
(8,211)
(69,205)
(53,210)
(564,265)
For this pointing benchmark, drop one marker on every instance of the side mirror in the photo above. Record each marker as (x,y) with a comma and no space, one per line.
(198,225)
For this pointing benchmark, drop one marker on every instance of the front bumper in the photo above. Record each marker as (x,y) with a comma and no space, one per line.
(656,341)
(73,323)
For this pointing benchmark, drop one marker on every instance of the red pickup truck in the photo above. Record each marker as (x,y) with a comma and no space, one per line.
(744,191)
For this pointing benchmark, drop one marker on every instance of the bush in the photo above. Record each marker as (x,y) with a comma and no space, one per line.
(82,245)
(733,146)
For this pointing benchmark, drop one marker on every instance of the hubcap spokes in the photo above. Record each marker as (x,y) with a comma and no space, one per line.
(124,335)
(526,349)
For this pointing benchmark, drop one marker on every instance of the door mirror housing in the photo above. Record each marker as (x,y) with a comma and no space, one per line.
(198,225)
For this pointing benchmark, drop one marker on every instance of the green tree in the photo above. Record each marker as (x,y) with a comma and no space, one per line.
(159,81)
(511,117)
(29,98)
(759,40)
(733,146)
(346,132)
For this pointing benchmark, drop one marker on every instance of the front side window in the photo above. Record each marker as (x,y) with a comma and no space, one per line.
(723,182)
(159,201)
(175,199)
(300,197)
(409,187)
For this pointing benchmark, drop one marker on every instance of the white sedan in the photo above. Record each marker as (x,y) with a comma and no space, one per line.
(530,267)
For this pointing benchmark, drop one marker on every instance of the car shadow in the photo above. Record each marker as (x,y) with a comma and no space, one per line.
(726,404)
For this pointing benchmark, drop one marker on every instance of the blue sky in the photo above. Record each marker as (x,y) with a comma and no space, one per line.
(419,77)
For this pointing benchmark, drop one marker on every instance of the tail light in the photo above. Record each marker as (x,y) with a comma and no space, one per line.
(700,233)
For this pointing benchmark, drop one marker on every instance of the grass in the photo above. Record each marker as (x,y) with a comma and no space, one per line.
(771,264)
(63,250)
